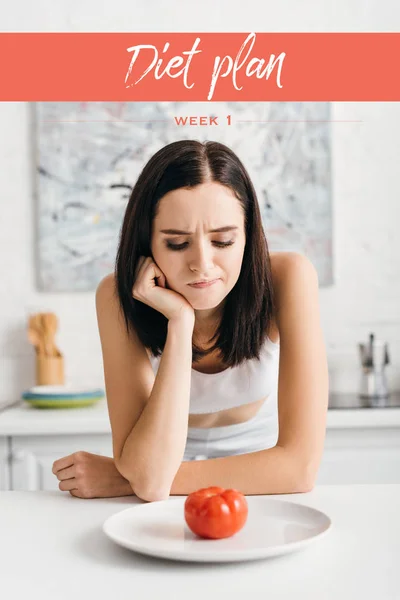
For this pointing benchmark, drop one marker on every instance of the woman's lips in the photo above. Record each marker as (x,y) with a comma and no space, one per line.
(203,285)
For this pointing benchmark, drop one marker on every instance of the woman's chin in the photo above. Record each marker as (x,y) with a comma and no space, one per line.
(203,305)
(202,299)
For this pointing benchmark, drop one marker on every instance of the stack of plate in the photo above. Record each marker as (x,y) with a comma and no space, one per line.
(61,396)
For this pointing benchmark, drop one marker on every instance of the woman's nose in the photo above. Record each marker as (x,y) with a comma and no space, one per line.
(201,258)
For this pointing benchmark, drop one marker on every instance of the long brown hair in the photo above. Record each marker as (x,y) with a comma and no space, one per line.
(249,306)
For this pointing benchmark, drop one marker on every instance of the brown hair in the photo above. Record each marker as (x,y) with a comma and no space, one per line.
(249,306)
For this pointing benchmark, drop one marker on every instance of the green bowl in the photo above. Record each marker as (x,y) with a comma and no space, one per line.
(61,396)
(61,403)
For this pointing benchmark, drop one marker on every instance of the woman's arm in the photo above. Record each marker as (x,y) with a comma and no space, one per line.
(272,471)
(154,449)
(292,465)
(149,416)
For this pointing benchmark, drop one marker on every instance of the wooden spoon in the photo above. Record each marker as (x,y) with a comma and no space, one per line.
(51,325)
(37,333)
(48,334)
(36,340)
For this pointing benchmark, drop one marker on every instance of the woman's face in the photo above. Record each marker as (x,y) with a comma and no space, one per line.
(198,252)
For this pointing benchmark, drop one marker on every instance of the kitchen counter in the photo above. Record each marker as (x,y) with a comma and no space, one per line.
(22,419)
(52,546)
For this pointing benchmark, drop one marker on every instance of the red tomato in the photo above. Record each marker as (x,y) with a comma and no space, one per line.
(215,513)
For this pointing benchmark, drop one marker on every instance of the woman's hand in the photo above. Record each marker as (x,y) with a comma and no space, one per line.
(150,288)
(86,475)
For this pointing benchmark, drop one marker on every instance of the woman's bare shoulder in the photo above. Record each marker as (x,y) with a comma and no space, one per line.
(107,300)
(107,286)
(291,272)
(108,306)
(286,265)
(110,315)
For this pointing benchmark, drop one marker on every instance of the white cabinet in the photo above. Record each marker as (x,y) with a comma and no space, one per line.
(350,456)
(354,455)
(4,465)
(32,457)
(361,446)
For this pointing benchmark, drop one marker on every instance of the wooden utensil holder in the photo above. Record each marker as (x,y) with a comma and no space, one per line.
(50,370)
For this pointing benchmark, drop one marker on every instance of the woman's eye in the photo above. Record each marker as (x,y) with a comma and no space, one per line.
(176,246)
(185,244)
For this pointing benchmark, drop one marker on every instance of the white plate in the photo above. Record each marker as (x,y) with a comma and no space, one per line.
(273,527)
(54,390)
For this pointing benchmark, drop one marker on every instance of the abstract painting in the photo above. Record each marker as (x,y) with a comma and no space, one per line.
(89,156)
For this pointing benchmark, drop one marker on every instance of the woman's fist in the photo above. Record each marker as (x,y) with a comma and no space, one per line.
(150,288)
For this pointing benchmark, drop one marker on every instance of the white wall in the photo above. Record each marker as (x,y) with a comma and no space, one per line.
(366,294)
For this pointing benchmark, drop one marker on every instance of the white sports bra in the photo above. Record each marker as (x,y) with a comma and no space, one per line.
(248,382)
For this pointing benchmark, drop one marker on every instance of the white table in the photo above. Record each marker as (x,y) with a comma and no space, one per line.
(52,547)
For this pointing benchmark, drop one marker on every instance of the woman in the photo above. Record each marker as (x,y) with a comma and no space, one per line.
(217,383)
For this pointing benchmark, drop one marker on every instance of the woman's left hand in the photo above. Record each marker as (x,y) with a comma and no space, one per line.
(87,475)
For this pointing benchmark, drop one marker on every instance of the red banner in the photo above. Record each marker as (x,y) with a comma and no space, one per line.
(199,67)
